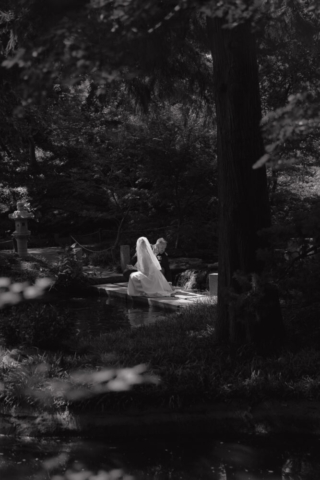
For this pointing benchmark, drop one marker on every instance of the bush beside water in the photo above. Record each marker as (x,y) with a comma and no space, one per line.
(41,326)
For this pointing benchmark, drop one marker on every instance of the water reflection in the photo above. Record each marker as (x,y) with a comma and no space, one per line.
(139,315)
(95,316)
(138,318)
(154,459)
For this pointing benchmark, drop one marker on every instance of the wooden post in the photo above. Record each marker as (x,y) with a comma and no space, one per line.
(213,284)
(124,256)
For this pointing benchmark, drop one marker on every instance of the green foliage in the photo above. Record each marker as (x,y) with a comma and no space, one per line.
(175,140)
(303,279)
(8,261)
(103,259)
(68,272)
(290,76)
(24,369)
(42,326)
(292,131)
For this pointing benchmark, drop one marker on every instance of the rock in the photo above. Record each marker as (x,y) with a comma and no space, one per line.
(193,279)
(192,273)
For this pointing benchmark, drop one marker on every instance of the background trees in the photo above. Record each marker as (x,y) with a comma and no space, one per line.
(99,145)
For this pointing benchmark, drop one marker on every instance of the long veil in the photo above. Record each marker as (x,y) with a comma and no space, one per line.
(147,261)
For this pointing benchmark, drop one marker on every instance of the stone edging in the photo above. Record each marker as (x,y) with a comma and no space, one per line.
(270,417)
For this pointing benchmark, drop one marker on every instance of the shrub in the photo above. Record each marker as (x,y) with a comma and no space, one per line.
(304,279)
(27,269)
(42,326)
(69,272)
(103,259)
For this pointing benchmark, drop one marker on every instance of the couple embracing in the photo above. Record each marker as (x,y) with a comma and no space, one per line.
(148,277)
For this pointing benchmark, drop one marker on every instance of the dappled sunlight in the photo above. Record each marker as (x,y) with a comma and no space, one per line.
(78,471)
(13,293)
(35,382)
(85,384)
(115,474)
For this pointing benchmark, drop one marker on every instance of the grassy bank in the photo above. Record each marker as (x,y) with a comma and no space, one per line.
(180,351)
(40,350)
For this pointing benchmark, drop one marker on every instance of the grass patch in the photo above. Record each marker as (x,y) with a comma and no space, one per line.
(181,351)
(27,269)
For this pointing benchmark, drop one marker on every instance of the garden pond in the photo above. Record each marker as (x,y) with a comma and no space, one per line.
(188,458)
(98,315)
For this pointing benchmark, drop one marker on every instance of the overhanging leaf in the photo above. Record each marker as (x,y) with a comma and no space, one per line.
(261,161)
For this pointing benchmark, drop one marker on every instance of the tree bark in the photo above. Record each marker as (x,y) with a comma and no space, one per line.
(243,197)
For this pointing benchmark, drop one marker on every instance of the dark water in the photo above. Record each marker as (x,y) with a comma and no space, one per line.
(100,315)
(292,458)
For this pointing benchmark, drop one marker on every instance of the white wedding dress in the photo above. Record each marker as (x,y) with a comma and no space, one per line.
(148,281)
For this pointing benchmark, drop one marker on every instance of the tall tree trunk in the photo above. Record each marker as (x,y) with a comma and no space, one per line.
(243,197)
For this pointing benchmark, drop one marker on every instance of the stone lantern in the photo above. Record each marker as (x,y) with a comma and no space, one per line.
(21,234)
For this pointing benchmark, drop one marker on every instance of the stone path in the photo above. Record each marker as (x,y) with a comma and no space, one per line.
(180,300)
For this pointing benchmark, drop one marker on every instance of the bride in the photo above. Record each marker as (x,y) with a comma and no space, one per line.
(148,280)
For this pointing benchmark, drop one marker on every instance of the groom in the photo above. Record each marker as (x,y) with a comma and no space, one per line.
(159,251)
